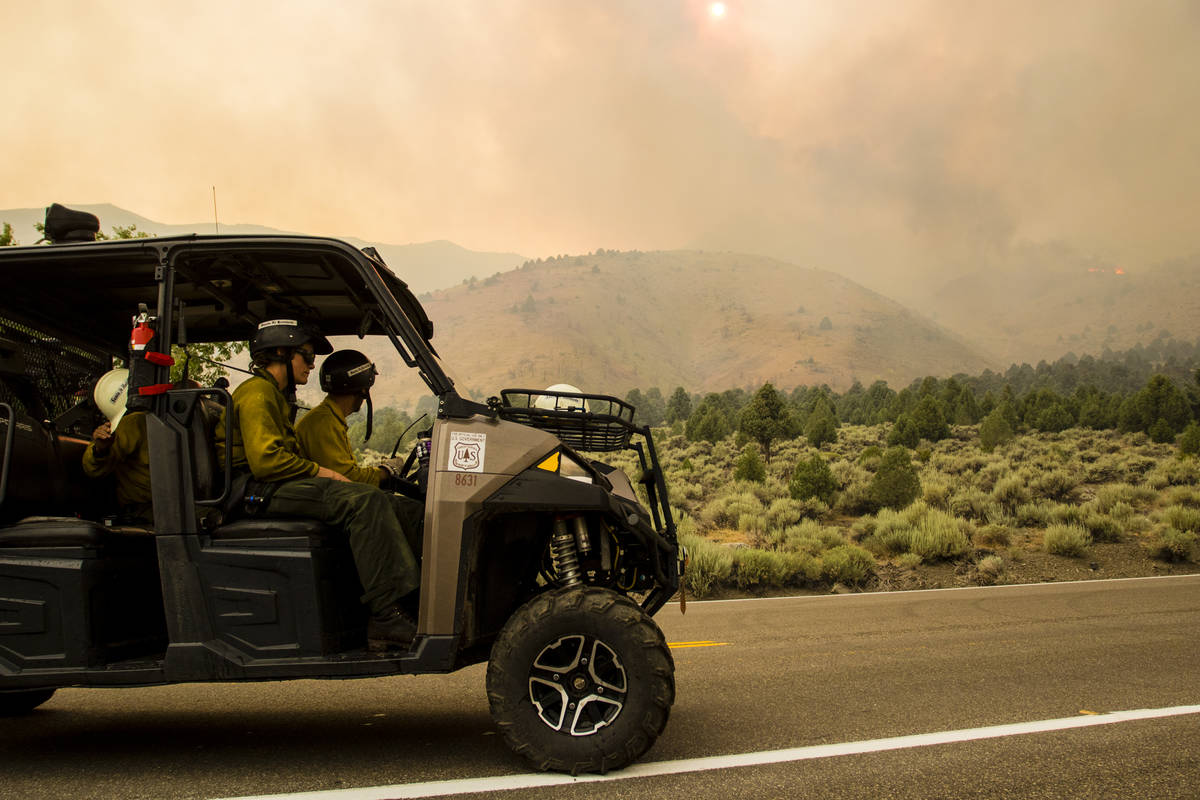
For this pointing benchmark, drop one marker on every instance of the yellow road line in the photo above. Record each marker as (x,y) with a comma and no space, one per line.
(681,645)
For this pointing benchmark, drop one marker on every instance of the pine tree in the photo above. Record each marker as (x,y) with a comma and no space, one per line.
(821,427)
(994,430)
(904,433)
(765,418)
(895,484)
(749,466)
(928,419)
(679,407)
(812,478)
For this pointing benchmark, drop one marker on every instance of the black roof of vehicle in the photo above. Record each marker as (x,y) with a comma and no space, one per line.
(228,284)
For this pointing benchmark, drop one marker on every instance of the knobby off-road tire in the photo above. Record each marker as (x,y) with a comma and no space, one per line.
(23,701)
(580,680)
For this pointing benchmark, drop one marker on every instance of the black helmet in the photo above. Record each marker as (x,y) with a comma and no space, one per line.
(347,372)
(287,333)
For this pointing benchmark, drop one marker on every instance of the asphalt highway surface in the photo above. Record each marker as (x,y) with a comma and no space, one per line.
(801,689)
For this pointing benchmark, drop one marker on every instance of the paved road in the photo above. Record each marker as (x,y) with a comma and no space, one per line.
(795,673)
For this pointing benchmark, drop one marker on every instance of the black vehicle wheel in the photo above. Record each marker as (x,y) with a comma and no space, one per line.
(22,701)
(580,680)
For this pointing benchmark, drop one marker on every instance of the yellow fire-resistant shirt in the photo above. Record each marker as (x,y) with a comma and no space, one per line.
(128,457)
(264,440)
(324,439)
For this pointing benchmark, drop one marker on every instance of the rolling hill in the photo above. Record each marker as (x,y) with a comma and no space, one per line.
(706,321)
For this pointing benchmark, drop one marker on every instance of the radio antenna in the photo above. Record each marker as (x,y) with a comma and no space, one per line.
(216,222)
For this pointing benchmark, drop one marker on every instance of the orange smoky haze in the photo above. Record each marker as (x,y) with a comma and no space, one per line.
(896,142)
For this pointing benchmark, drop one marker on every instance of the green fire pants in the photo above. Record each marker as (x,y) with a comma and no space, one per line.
(378,535)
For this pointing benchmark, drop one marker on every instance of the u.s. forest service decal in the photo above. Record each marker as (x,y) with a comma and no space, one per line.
(466,451)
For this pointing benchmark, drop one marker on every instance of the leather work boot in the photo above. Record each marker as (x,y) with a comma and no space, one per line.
(390,629)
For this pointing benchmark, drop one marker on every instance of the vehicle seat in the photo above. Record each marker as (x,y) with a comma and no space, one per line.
(78,594)
(209,479)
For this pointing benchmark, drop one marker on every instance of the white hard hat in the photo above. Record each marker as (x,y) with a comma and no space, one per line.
(557,403)
(110,393)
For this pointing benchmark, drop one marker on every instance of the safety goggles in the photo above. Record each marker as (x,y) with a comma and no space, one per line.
(309,356)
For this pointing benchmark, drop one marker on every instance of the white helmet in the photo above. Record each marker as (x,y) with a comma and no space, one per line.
(110,393)
(561,403)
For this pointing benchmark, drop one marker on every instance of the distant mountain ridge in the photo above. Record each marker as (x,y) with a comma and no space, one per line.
(1041,312)
(424,266)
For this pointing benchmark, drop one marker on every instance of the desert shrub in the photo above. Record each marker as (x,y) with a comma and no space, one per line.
(974,504)
(870,457)
(936,536)
(1183,518)
(908,560)
(848,564)
(855,499)
(1105,469)
(750,466)
(813,478)
(1067,514)
(895,484)
(989,570)
(1184,496)
(803,567)
(1066,540)
(807,537)
(862,528)
(1174,472)
(890,540)
(1010,492)
(987,476)
(1103,528)
(1121,511)
(1136,496)
(724,511)
(753,567)
(709,565)
(785,511)
(1055,484)
(994,535)
(1173,545)
(936,493)
(754,524)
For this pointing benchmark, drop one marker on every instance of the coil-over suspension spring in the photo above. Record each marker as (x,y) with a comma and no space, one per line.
(565,546)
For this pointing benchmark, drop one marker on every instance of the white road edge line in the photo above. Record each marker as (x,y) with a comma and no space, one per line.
(902,592)
(534,780)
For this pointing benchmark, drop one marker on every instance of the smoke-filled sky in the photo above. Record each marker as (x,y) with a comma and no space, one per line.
(895,140)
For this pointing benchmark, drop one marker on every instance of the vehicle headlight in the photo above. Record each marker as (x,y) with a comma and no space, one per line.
(566,465)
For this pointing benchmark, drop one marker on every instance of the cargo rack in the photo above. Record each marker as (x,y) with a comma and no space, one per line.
(590,422)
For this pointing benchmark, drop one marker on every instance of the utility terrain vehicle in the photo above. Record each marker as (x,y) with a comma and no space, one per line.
(536,558)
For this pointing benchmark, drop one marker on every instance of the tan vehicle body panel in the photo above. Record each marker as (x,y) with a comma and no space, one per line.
(455,494)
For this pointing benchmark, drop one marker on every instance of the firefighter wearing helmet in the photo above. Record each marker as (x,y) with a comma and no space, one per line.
(119,448)
(347,377)
(280,480)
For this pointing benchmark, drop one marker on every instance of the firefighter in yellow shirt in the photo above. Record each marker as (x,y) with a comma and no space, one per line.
(119,448)
(347,377)
(284,483)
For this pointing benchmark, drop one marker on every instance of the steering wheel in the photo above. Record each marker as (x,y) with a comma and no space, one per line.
(410,482)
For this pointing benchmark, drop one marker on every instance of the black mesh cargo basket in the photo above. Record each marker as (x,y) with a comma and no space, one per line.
(591,422)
